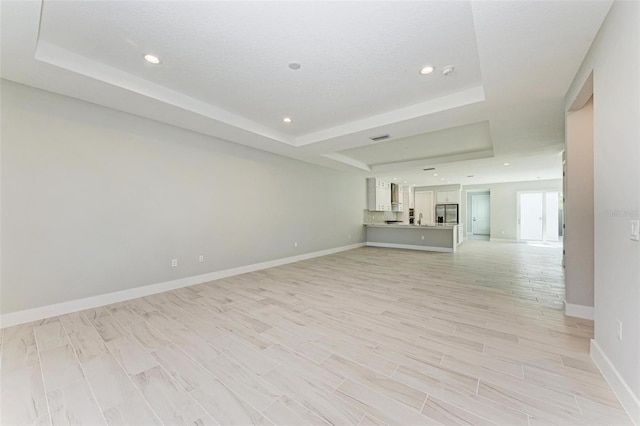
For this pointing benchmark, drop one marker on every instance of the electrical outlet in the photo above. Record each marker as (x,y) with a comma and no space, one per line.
(619,331)
(422,236)
(201,258)
(174,262)
(295,244)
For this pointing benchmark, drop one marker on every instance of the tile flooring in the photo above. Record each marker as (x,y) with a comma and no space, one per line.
(365,337)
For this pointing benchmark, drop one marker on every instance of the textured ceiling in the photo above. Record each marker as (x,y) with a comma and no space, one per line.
(225,73)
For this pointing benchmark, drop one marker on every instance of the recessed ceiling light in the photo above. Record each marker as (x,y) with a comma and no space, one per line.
(506,164)
(405,181)
(435,174)
(441,178)
(295,65)
(427,70)
(395,178)
(447,70)
(287,120)
(152,59)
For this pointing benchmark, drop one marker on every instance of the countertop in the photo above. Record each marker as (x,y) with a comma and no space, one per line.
(406,225)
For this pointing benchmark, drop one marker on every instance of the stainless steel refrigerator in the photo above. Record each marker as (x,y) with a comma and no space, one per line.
(447,214)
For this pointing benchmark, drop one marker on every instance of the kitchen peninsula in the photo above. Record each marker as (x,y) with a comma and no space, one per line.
(442,238)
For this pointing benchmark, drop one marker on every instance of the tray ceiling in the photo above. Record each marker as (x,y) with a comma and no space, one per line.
(225,71)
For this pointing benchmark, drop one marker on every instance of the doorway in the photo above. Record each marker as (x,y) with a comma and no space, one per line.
(539,216)
(480,215)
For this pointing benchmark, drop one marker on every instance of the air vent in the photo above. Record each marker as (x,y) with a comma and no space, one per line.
(430,168)
(379,138)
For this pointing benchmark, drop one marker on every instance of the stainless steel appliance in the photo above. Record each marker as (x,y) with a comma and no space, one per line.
(395,194)
(447,214)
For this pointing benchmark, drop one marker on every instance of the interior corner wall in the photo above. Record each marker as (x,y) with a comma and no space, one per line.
(97,201)
(578,236)
(614,60)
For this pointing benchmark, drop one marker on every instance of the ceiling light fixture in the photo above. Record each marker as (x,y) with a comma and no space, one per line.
(395,178)
(287,120)
(427,70)
(506,164)
(152,59)
(447,70)
(441,178)
(435,174)
(405,181)
(295,66)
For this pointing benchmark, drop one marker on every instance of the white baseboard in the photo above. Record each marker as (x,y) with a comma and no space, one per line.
(627,398)
(578,311)
(42,312)
(410,247)
(502,240)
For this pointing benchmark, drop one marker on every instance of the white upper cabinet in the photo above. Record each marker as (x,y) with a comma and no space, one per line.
(378,195)
(448,197)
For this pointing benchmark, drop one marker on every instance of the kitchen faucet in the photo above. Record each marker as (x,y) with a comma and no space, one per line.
(420,219)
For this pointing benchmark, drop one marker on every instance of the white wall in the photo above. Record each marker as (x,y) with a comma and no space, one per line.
(95,201)
(578,208)
(614,59)
(504,203)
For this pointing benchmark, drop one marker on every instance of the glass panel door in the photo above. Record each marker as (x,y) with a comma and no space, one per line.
(552,221)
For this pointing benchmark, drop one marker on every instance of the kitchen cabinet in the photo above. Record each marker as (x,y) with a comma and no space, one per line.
(450,197)
(408,197)
(378,195)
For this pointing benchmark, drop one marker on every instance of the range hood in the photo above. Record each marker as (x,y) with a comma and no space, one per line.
(395,194)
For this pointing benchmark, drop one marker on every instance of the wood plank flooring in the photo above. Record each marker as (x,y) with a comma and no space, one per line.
(370,336)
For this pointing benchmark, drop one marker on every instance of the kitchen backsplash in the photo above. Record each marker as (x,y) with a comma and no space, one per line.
(379,217)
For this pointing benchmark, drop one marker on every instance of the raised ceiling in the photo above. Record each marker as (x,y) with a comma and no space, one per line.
(225,72)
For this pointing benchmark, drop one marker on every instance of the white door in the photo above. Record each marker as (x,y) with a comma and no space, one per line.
(480,215)
(530,220)
(423,205)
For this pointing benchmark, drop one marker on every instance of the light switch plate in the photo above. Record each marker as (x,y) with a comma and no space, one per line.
(635,230)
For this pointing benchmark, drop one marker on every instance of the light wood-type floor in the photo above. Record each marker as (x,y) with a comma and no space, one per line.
(365,337)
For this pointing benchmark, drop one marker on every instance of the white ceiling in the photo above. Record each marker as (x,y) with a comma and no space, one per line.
(225,73)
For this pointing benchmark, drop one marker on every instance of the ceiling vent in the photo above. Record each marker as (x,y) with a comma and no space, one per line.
(430,168)
(379,138)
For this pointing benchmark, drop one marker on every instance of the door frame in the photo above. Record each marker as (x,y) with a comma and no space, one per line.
(468,211)
(472,215)
(544,212)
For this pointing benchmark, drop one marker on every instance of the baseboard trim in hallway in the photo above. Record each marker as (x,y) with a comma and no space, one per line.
(578,311)
(625,395)
(42,312)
